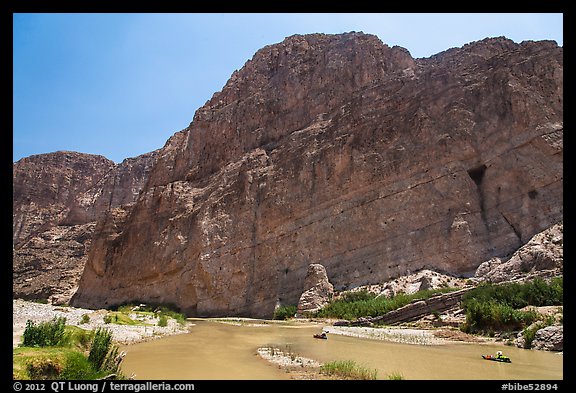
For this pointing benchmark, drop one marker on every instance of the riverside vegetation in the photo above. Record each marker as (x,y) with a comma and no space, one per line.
(54,350)
(489,308)
(501,308)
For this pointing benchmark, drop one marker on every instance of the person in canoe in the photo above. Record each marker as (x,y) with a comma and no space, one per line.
(322,336)
(499,357)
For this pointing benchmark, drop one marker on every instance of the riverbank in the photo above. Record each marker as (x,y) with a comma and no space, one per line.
(436,336)
(149,329)
(146,329)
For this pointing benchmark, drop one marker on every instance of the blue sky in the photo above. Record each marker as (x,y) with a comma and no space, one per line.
(120,85)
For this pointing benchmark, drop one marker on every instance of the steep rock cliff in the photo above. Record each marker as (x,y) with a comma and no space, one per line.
(341,151)
(58,197)
(45,185)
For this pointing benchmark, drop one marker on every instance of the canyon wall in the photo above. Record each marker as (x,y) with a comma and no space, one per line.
(57,199)
(342,151)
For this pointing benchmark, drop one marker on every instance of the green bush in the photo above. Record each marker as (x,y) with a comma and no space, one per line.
(495,307)
(77,366)
(285,312)
(529,334)
(491,315)
(348,369)
(172,313)
(170,310)
(101,345)
(163,320)
(77,337)
(363,304)
(395,376)
(85,319)
(517,295)
(44,334)
(357,296)
(69,360)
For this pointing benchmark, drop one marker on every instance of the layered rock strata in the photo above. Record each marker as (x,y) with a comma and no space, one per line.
(58,197)
(342,151)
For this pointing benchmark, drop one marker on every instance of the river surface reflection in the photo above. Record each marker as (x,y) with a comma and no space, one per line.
(218,351)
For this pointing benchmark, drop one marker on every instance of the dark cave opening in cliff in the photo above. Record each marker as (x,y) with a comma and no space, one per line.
(477,174)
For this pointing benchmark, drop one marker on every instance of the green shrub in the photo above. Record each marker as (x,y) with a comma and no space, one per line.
(61,363)
(85,319)
(357,296)
(529,334)
(495,307)
(77,337)
(77,366)
(285,312)
(101,344)
(171,313)
(170,310)
(163,320)
(44,334)
(517,295)
(348,369)
(363,304)
(491,315)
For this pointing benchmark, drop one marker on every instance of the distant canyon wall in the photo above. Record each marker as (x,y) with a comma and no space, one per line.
(57,199)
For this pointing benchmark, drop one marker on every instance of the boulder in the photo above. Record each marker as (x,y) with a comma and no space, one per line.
(317,290)
(550,338)
(544,253)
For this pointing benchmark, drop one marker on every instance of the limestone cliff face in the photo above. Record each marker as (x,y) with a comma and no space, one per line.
(45,185)
(58,197)
(341,151)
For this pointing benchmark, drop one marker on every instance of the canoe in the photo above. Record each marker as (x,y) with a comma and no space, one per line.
(494,358)
(320,336)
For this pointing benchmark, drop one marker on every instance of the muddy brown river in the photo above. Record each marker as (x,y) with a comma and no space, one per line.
(219,351)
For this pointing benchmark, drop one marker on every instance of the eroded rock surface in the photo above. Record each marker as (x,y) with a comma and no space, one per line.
(342,151)
(318,290)
(58,198)
(543,255)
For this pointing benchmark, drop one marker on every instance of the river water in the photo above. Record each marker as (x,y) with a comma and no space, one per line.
(220,351)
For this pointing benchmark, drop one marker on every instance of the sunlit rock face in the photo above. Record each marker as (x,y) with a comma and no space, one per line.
(341,151)
(57,199)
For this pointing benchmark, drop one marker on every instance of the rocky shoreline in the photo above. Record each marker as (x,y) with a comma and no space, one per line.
(128,334)
(23,311)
